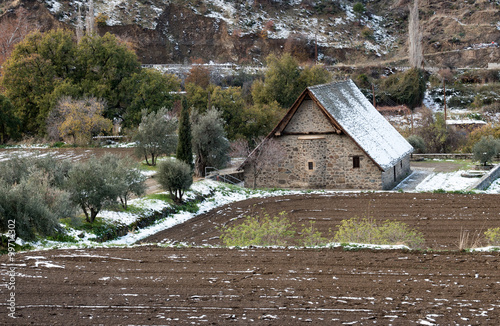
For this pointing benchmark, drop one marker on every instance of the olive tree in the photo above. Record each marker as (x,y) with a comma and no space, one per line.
(210,144)
(92,186)
(156,135)
(485,149)
(176,177)
(35,206)
(31,193)
(128,180)
(417,143)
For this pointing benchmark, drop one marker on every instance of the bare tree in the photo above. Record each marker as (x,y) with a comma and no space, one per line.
(446,75)
(267,155)
(79,25)
(13,27)
(415,38)
(239,148)
(90,20)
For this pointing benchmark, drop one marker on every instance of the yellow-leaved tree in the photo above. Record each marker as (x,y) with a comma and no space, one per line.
(79,119)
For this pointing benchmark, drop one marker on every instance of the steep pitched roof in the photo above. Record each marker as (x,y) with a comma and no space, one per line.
(362,122)
(351,113)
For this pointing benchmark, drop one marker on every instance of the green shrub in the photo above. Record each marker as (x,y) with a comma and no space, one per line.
(417,142)
(493,236)
(29,197)
(176,177)
(191,207)
(62,237)
(311,237)
(366,230)
(357,230)
(260,231)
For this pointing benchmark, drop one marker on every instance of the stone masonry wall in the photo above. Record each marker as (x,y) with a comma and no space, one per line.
(309,118)
(402,171)
(330,156)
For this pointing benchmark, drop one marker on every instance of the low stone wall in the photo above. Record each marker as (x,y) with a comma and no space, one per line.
(487,179)
(446,156)
(442,156)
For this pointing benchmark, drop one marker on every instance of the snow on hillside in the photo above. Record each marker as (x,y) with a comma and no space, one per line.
(245,18)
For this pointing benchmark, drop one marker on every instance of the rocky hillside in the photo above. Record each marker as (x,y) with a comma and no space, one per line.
(459,33)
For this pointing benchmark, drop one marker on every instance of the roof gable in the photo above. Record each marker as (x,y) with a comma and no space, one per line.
(359,119)
(351,113)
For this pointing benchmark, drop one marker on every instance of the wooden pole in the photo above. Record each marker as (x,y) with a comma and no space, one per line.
(373,94)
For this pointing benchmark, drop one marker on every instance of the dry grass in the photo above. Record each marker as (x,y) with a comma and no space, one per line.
(469,240)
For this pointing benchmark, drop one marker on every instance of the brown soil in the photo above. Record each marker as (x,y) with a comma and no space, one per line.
(179,286)
(168,286)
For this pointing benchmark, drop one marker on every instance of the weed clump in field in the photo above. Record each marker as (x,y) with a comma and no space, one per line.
(269,230)
(280,231)
(260,231)
(369,231)
(493,236)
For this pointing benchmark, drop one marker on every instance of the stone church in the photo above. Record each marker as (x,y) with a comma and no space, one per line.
(331,138)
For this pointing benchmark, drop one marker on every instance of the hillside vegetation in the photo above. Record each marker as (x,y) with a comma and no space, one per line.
(455,33)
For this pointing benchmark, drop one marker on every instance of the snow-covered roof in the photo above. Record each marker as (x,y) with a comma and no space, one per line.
(362,122)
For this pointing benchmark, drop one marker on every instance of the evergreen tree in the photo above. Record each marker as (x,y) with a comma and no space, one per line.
(9,124)
(184,146)
(156,135)
(285,80)
(210,144)
(46,66)
(486,149)
(176,177)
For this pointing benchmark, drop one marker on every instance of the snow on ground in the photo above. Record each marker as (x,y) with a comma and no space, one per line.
(494,187)
(222,194)
(452,181)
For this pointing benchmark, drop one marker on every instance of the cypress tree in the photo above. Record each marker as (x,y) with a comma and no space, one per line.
(184,147)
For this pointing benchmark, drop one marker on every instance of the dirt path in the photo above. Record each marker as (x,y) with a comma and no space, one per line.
(440,217)
(168,286)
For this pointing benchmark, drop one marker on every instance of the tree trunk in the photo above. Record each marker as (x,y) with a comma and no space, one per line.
(123,200)
(255,175)
(93,214)
(411,113)
(199,167)
(86,214)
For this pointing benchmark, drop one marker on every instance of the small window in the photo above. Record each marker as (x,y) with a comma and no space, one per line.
(355,162)
(310,165)
(401,164)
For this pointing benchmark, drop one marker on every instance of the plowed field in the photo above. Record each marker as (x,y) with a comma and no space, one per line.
(440,217)
(150,285)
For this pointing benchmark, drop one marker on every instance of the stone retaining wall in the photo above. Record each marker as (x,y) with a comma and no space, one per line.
(487,179)
(446,156)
